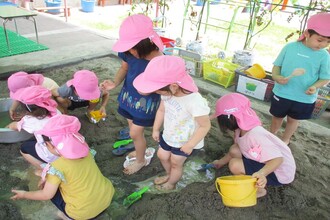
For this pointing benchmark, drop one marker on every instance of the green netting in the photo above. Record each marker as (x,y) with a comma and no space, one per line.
(18,44)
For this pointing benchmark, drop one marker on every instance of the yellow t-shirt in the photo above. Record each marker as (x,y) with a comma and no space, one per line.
(49,84)
(85,191)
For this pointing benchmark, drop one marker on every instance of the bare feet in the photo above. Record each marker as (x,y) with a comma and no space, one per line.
(165,187)
(161,180)
(134,167)
(261,192)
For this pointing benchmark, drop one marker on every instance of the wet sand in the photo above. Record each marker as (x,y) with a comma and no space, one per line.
(306,198)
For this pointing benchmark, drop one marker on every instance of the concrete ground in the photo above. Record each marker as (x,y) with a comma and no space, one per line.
(72,42)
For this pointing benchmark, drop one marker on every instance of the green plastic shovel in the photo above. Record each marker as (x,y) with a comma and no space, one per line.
(135,196)
(121,143)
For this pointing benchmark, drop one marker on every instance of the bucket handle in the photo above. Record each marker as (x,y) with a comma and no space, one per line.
(218,188)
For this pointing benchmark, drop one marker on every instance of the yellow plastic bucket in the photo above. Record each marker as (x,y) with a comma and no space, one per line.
(237,191)
(256,71)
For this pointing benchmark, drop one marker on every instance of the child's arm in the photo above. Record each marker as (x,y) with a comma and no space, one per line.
(159,119)
(12,110)
(105,100)
(46,193)
(61,101)
(269,167)
(119,77)
(204,127)
(318,84)
(277,77)
(13,126)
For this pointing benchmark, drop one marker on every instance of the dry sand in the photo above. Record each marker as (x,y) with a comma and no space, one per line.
(306,198)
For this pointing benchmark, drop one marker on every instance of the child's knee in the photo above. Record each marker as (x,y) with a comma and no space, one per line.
(236,166)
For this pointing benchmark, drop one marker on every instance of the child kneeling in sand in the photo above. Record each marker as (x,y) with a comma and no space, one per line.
(183,112)
(21,80)
(73,182)
(81,91)
(255,151)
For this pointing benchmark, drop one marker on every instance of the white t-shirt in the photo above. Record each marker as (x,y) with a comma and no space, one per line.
(32,124)
(179,122)
(260,145)
(49,84)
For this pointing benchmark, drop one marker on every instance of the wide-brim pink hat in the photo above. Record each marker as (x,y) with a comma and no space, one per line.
(36,95)
(239,106)
(21,80)
(320,23)
(63,132)
(86,84)
(134,29)
(162,71)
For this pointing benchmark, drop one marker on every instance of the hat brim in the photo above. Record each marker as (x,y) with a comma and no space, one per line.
(122,46)
(89,95)
(145,85)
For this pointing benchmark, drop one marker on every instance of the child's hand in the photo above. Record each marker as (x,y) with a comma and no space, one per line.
(103,111)
(186,149)
(19,194)
(12,126)
(107,85)
(155,135)
(280,79)
(261,179)
(311,90)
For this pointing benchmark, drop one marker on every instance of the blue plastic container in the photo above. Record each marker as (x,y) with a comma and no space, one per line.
(53,3)
(199,2)
(87,5)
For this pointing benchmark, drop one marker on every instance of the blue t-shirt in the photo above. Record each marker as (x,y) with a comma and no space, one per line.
(139,106)
(316,64)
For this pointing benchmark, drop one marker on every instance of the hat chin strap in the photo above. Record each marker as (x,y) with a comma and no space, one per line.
(79,137)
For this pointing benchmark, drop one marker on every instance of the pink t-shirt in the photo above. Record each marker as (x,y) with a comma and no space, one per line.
(260,145)
(32,124)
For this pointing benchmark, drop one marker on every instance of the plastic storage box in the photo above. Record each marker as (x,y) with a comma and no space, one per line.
(257,88)
(167,42)
(220,71)
(322,102)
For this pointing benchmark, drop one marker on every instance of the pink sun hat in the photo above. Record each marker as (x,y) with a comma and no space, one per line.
(21,80)
(239,106)
(36,95)
(63,132)
(162,71)
(86,84)
(134,29)
(319,23)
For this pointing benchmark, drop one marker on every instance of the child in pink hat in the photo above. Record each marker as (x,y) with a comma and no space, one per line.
(81,91)
(255,151)
(183,113)
(294,97)
(21,80)
(39,108)
(138,44)
(73,182)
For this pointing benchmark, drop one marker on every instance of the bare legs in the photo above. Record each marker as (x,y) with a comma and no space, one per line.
(291,127)
(137,134)
(173,165)
(234,152)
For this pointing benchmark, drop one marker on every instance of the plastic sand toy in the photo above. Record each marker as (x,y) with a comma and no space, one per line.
(135,196)
(96,116)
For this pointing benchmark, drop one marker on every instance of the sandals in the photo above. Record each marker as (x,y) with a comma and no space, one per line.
(123,149)
(124,134)
(148,156)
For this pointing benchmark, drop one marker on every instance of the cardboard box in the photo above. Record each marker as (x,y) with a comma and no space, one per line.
(257,88)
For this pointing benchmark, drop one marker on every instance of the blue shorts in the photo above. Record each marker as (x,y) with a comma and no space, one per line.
(281,107)
(137,121)
(75,105)
(29,147)
(174,150)
(58,201)
(252,166)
